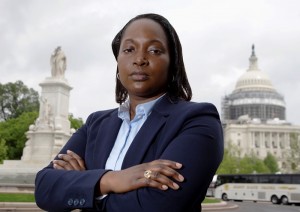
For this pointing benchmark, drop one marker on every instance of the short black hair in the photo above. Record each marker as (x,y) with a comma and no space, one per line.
(178,84)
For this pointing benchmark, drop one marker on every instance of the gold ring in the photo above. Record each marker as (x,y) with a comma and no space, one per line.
(147,174)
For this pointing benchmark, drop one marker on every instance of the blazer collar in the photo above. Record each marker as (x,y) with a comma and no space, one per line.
(164,106)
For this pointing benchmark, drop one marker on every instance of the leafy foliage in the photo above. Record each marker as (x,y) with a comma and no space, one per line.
(76,123)
(230,164)
(252,164)
(294,157)
(271,162)
(3,150)
(234,164)
(13,132)
(16,98)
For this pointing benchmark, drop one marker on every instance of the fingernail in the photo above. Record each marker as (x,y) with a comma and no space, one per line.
(175,185)
(60,156)
(181,178)
(179,165)
(164,187)
(69,151)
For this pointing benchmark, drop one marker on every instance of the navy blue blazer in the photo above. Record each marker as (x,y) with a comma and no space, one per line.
(187,132)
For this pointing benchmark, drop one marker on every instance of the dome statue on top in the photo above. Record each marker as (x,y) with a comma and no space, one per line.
(254,96)
(58,63)
(254,79)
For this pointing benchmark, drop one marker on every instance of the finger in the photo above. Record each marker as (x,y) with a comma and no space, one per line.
(145,182)
(163,180)
(60,164)
(78,158)
(56,166)
(165,170)
(72,162)
(169,163)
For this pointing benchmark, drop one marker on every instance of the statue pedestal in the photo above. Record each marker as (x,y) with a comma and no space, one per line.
(52,128)
(46,136)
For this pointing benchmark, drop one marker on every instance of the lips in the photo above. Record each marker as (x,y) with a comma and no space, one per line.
(139,76)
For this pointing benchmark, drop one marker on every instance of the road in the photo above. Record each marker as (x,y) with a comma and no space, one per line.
(249,206)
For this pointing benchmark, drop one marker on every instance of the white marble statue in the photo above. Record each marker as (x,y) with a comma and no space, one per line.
(58,63)
(46,109)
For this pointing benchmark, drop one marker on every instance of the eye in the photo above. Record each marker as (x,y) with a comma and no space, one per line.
(155,51)
(128,50)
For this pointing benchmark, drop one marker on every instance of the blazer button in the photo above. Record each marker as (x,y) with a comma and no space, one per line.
(70,202)
(76,202)
(81,202)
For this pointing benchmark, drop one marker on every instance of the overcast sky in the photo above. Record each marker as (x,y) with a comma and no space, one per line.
(216,37)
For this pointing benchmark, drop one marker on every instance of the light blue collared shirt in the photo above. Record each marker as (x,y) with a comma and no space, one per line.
(128,131)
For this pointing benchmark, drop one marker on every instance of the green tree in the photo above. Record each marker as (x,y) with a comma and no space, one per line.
(229,165)
(271,162)
(233,163)
(15,99)
(76,123)
(13,132)
(3,150)
(231,160)
(252,164)
(294,157)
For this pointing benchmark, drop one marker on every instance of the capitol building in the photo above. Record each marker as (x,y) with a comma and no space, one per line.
(254,120)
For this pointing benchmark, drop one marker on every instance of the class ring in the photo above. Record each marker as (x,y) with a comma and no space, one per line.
(147,174)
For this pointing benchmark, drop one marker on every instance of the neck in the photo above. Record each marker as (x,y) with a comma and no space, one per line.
(135,101)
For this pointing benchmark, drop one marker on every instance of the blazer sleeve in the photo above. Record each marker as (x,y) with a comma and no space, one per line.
(61,190)
(193,136)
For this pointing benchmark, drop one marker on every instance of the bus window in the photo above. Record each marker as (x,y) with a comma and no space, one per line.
(284,179)
(264,179)
(296,179)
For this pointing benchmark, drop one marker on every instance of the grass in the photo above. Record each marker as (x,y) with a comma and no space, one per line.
(10,197)
(211,200)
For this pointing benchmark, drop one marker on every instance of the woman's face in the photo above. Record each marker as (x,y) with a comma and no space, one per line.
(143,60)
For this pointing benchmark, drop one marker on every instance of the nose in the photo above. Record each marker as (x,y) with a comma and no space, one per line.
(141,60)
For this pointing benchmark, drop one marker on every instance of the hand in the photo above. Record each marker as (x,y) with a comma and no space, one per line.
(163,176)
(69,161)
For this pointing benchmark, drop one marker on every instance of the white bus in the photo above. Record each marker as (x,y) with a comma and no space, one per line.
(211,189)
(277,188)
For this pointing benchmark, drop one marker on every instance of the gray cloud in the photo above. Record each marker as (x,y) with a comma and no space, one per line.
(216,38)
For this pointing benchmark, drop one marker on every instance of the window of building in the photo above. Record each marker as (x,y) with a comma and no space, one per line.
(282,146)
(274,144)
(257,143)
(283,165)
(267,144)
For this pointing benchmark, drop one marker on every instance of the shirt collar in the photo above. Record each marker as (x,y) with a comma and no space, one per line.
(141,109)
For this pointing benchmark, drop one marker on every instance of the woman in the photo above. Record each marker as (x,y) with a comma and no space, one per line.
(157,152)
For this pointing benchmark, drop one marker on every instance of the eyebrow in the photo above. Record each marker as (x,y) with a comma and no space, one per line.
(151,41)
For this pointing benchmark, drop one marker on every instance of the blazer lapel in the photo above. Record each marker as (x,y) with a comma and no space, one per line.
(106,138)
(146,134)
